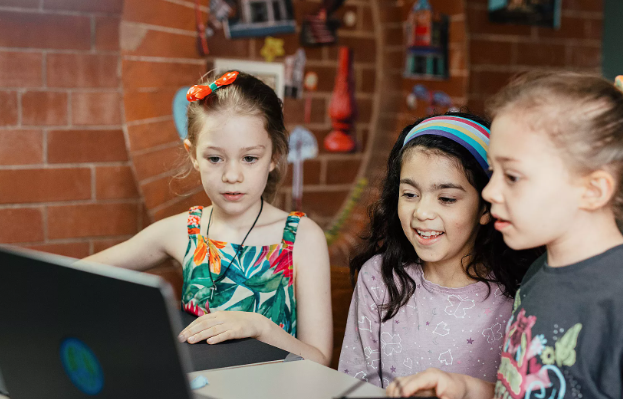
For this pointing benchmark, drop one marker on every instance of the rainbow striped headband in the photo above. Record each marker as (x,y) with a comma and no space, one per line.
(471,135)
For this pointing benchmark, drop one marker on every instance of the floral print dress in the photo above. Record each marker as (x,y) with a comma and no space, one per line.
(260,279)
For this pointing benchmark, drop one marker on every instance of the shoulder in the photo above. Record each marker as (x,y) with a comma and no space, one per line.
(370,273)
(308,233)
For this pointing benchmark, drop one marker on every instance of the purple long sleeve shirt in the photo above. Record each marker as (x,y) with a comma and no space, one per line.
(458,330)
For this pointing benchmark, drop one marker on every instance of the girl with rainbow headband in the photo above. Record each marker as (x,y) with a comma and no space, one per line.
(250,269)
(435,280)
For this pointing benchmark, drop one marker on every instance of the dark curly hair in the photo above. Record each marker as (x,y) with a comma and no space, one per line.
(491,260)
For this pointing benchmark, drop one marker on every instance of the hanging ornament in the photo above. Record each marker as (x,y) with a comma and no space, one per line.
(342,108)
(319,29)
(273,48)
(302,145)
(433,99)
(294,68)
(202,41)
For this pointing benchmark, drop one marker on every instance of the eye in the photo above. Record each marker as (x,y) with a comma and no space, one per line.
(409,195)
(446,200)
(214,159)
(250,159)
(511,178)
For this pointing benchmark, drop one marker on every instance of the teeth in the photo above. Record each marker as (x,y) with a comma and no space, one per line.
(429,233)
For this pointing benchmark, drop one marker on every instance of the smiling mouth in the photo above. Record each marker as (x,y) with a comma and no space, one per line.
(429,233)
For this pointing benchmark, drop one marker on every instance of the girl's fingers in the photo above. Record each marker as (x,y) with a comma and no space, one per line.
(423,384)
(207,333)
(220,337)
(201,323)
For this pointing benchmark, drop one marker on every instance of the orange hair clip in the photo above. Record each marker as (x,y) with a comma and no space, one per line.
(199,92)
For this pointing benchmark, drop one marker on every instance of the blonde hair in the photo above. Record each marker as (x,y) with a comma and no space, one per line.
(250,96)
(582,115)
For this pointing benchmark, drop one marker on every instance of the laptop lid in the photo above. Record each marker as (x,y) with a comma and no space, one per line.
(72,330)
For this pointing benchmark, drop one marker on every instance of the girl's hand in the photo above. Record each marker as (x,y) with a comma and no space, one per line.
(224,325)
(432,382)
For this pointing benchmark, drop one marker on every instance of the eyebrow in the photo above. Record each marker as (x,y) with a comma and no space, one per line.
(435,187)
(505,159)
(256,147)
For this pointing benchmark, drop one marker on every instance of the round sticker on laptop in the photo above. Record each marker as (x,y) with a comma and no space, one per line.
(82,366)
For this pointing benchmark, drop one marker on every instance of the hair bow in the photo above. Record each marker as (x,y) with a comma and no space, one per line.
(199,92)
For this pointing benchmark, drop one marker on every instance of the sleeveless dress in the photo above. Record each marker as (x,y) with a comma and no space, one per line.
(259,280)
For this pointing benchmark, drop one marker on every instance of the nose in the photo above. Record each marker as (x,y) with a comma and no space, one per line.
(491,193)
(232,172)
(424,210)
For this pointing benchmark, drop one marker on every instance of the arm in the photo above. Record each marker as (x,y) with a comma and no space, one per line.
(434,382)
(150,247)
(313,298)
(360,356)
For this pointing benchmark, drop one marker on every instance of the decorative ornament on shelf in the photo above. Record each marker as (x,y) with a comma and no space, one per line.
(333,232)
(618,82)
(427,43)
(319,29)
(432,98)
(302,146)
(343,108)
(202,40)
(261,18)
(272,48)
(294,70)
(526,12)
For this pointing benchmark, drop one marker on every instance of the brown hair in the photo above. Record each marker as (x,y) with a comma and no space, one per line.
(581,113)
(250,96)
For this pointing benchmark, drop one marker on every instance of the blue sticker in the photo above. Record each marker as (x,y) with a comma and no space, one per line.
(82,366)
(180,104)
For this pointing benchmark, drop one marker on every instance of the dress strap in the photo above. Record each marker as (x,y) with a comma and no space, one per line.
(292,225)
(194,220)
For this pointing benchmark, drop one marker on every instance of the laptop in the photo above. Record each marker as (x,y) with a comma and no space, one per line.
(81,330)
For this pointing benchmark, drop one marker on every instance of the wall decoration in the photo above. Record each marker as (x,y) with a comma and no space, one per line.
(294,69)
(271,73)
(433,99)
(618,82)
(526,12)
(427,43)
(272,49)
(220,12)
(311,84)
(302,146)
(258,18)
(333,232)
(319,29)
(180,105)
(342,108)
(202,41)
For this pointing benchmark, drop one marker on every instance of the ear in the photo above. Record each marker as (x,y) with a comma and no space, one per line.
(192,153)
(599,188)
(485,216)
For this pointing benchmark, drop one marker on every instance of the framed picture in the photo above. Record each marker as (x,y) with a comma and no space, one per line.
(526,12)
(259,18)
(271,73)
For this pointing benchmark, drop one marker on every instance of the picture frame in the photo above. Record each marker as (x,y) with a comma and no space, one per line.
(271,73)
(526,12)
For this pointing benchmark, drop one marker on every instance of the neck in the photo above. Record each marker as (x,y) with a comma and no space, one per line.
(449,273)
(238,222)
(592,233)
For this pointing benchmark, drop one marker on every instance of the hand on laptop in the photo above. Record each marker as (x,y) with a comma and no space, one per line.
(440,384)
(224,325)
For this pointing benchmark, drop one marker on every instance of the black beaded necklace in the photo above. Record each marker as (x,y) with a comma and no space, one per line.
(213,288)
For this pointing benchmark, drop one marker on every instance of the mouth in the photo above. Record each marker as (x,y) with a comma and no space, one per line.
(500,224)
(427,237)
(232,195)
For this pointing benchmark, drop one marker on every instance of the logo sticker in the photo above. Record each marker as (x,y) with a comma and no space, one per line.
(82,366)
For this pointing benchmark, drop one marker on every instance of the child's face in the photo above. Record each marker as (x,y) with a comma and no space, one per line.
(439,209)
(233,154)
(531,191)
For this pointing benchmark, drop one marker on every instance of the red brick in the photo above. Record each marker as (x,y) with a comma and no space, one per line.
(139,74)
(339,15)
(21,225)
(454,87)
(323,203)
(585,57)
(457,32)
(478,22)
(20,69)
(583,5)
(367,22)
(100,245)
(594,29)
(167,44)
(20,3)
(364,50)
(570,28)
(364,110)
(220,46)
(201,198)
(490,52)
(44,108)
(44,185)
(393,36)
(96,108)
(107,33)
(8,108)
(147,135)
(21,147)
(448,7)
(488,82)
(82,70)
(367,84)
(538,54)
(311,173)
(157,162)
(162,13)
(342,171)
(157,192)
(92,220)
(114,182)
(294,110)
(394,59)
(390,13)
(107,6)
(76,250)
(45,31)
(73,146)
(457,60)
(326,77)
(145,105)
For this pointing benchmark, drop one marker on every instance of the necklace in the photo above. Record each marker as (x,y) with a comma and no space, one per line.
(213,288)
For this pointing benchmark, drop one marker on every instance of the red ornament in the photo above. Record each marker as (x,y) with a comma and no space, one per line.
(342,108)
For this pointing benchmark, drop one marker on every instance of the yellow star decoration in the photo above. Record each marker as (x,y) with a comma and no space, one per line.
(272,48)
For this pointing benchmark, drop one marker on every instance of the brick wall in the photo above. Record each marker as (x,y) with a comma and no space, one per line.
(497,52)
(66,183)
